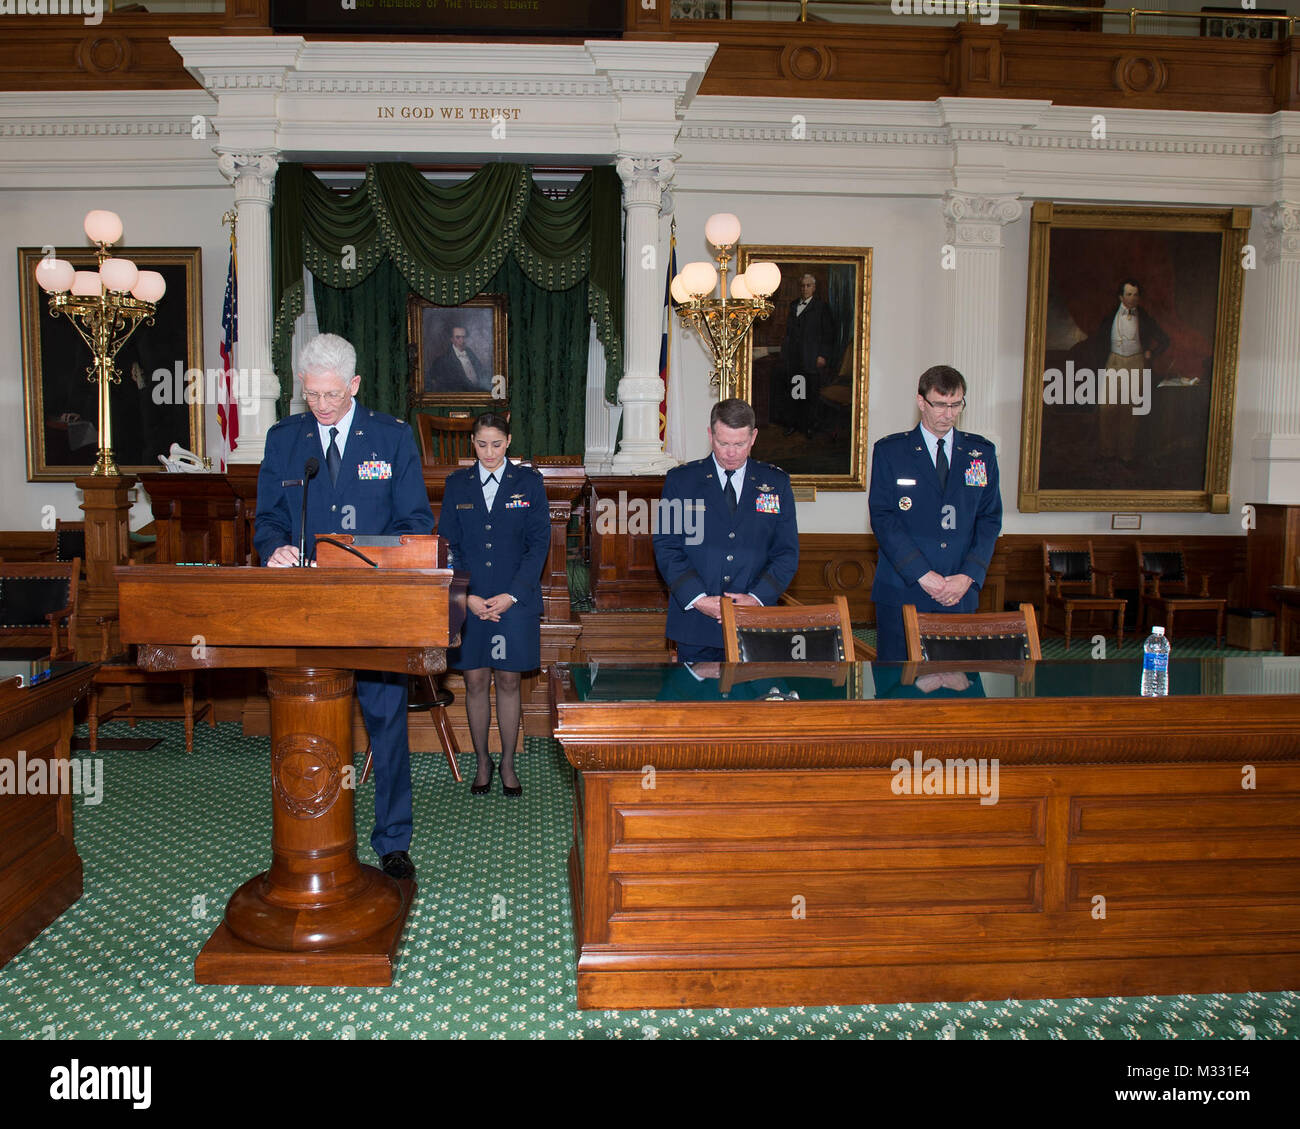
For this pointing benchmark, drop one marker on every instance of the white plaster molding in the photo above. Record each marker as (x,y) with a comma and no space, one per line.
(1281,225)
(975,220)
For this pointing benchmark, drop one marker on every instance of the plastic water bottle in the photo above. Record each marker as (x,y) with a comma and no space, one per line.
(1155,664)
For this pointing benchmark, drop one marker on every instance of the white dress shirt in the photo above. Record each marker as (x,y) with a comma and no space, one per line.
(932,445)
(1124,338)
(344,425)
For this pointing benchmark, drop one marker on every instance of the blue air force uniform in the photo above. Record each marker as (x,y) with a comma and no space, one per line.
(920,528)
(755,550)
(380,490)
(504,549)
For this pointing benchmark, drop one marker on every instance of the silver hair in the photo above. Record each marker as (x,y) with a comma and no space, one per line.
(328,354)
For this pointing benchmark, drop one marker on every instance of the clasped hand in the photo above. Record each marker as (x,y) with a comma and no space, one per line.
(712,605)
(490,609)
(945,590)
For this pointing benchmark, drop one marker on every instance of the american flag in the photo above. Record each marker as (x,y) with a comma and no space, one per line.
(227,406)
(665,342)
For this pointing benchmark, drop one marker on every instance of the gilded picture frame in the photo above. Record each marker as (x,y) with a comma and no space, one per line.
(438,378)
(1132,326)
(813,423)
(149,412)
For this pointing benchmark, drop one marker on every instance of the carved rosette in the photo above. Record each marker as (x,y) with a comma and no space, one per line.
(306,773)
(977,220)
(1281,225)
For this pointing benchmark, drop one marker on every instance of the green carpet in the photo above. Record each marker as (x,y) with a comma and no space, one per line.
(488,951)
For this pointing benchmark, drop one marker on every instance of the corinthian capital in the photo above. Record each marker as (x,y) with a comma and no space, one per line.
(646,180)
(1281,224)
(976,220)
(254,173)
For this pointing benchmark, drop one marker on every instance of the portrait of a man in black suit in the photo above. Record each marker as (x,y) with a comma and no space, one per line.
(459,369)
(807,350)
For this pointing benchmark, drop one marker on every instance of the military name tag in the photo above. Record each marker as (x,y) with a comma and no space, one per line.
(464,505)
(904,503)
(977,473)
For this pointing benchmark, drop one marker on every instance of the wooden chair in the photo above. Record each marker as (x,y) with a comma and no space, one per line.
(788,632)
(1166,587)
(69,542)
(120,671)
(1071,583)
(38,607)
(967,636)
(445,440)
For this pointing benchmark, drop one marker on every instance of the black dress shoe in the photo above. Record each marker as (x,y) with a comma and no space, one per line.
(397,864)
(484,789)
(506,790)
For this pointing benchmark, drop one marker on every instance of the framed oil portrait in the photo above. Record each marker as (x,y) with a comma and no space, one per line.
(1131,333)
(60,400)
(805,367)
(458,353)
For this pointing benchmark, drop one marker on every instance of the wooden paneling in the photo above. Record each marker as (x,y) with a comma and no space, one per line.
(761,59)
(772,863)
(40,871)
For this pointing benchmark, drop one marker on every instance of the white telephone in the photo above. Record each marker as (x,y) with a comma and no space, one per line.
(180,460)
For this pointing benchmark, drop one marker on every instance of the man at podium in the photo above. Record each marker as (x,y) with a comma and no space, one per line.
(371,484)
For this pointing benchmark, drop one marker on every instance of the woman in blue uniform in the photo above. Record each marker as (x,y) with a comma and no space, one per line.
(497,525)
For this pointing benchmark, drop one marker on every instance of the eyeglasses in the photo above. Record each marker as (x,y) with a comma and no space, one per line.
(324,397)
(941,407)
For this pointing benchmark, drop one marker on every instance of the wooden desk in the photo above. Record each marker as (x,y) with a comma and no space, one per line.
(40,870)
(730,851)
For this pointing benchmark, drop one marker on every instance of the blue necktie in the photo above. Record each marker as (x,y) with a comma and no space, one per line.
(333,460)
(941,465)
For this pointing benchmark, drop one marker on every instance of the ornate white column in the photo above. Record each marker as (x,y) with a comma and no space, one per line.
(1276,448)
(601,422)
(253,176)
(645,179)
(974,230)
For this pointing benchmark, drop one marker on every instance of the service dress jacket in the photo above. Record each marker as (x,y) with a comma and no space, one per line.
(504,550)
(920,528)
(756,549)
(380,488)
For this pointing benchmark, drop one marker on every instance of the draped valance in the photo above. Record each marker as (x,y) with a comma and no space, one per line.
(448,243)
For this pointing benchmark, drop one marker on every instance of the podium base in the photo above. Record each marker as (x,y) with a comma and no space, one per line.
(368,963)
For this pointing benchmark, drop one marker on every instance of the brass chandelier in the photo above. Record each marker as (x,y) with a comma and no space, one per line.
(105,306)
(723,321)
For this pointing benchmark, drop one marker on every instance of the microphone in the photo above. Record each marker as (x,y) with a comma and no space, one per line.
(308,473)
(347,549)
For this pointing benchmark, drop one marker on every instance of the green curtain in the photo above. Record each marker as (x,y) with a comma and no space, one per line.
(547,358)
(449,244)
(372,315)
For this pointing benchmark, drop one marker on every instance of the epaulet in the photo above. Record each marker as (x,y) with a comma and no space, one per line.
(772,466)
(972,437)
(896,435)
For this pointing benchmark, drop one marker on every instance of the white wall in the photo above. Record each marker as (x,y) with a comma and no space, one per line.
(166,188)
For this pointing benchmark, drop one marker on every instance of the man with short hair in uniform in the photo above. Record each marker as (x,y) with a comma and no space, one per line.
(732,532)
(936,511)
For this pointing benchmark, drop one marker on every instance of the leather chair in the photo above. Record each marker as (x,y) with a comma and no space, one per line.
(1072,583)
(1166,587)
(789,632)
(38,607)
(971,636)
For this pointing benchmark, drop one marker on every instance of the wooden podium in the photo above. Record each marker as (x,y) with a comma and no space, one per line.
(317,916)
